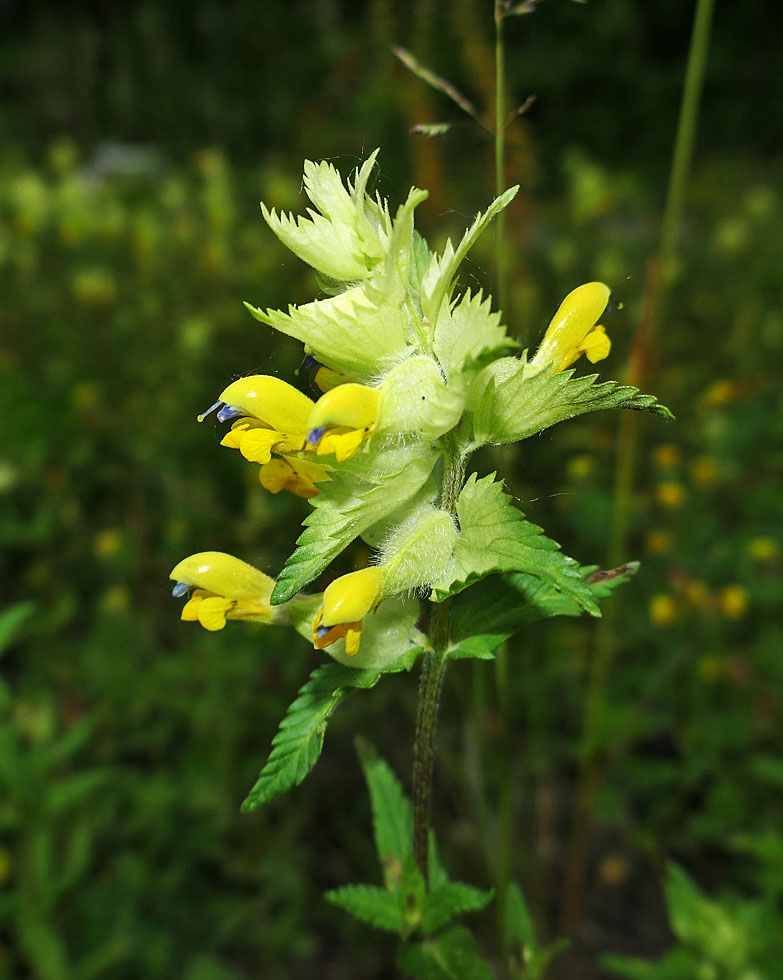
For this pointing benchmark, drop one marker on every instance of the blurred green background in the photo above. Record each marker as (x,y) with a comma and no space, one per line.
(136,140)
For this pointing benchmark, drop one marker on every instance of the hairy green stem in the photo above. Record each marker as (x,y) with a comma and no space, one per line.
(430,685)
(659,277)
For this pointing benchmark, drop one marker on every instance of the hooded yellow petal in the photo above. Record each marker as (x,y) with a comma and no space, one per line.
(223,575)
(349,598)
(573,322)
(351,405)
(273,401)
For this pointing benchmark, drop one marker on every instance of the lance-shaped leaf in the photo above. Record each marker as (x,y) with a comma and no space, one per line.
(485,615)
(347,238)
(362,492)
(507,406)
(495,537)
(442,268)
(453,955)
(298,743)
(467,331)
(368,903)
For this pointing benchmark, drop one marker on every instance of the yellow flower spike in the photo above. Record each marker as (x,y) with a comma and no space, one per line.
(573,330)
(224,588)
(299,476)
(342,418)
(347,601)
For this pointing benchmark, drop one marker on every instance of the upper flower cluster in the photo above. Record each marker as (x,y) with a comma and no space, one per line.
(415,374)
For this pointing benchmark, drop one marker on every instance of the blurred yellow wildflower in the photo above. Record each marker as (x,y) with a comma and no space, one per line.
(721,392)
(663,609)
(667,455)
(223,587)
(695,592)
(763,548)
(347,601)
(581,466)
(704,471)
(670,494)
(659,541)
(733,601)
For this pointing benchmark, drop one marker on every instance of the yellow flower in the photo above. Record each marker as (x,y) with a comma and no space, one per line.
(270,414)
(574,330)
(667,455)
(341,419)
(733,601)
(670,493)
(658,542)
(299,476)
(763,548)
(704,471)
(223,588)
(347,601)
(663,610)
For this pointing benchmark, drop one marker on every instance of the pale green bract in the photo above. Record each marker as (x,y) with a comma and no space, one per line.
(421,372)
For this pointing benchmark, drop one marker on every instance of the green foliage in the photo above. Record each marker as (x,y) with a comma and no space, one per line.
(725,940)
(517,407)
(494,537)
(404,905)
(350,503)
(451,956)
(492,610)
(298,743)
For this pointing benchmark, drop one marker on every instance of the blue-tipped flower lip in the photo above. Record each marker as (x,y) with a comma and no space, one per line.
(224,412)
(314,436)
(321,631)
(181,588)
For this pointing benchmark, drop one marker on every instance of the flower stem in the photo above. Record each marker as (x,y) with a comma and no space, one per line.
(430,685)
(659,278)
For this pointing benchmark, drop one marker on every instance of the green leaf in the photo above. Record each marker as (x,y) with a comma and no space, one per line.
(450,900)
(492,610)
(441,271)
(507,407)
(466,331)
(450,956)
(376,906)
(363,330)
(348,504)
(348,237)
(703,924)
(298,743)
(520,921)
(10,621)
(392,814)
(494,537)
(432,129)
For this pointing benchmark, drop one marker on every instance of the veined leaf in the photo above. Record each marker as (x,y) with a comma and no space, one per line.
(442,269)
(451,956)
(450,900)
(342,241)
(349,503)
(343,331)
(298,743)
(392,814)
(466,331)
(485,615)
(507,406)
(495,537)
(376,906)
(361,331)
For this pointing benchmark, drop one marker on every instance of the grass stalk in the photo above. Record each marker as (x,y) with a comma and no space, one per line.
(657,286)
